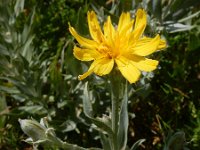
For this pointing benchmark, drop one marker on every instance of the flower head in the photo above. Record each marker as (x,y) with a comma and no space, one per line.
(125,46)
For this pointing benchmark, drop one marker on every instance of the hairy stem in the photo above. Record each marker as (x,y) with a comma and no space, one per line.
(116,97)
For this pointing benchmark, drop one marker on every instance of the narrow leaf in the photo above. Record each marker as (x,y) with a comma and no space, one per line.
(87,108)
(156,8)
(189,17)
(123,122)
(3,50)
(86,102)
(137,144)
(178,27)
(105,141)
(3,110)
(40,134)
(19,6)
(176,142)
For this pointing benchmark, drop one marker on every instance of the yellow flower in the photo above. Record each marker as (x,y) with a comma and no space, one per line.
(125,46)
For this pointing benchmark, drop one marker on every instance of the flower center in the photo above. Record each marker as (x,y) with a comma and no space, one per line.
(107,51)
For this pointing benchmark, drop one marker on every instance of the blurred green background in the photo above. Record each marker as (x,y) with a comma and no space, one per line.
(38,73)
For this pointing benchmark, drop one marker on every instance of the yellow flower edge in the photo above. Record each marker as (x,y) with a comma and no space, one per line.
(124,45)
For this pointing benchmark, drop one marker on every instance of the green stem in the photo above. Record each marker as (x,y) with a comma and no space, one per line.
(116,96)
(115,120)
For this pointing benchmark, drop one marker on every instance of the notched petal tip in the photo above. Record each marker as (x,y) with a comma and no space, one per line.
(90,13)
(162,44)
(72,30)
(140,23)
(140,11)
(94,27)
(141,14)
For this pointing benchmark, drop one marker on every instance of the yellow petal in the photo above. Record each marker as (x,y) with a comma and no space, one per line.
(140,23)
(95,29)
(143,64)
(109,32)
(103,66)
(89,72)
(128,70)
(146,47)
(123,20)
(86,74)
(125,24)
(84,42)
(100,67)
(161,45)
(86,54)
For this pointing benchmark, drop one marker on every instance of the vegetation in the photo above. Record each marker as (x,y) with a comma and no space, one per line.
(38,73)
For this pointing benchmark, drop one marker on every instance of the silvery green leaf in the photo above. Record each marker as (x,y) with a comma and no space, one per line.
(33,109)
(21,86)
(3,109)
(11,90)
(189,17)
(176,142)
(43,122)
(137,144)
(19,6)
(156,8)
(87,108)
(29,140)
(68,126)
(105,141)
(33,129)
(123,122)
(27,51)
(87,105)
(178,27)
(40,134)
(3,50)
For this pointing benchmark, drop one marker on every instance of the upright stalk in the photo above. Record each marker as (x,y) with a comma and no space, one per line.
(117,89)
(115,120)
